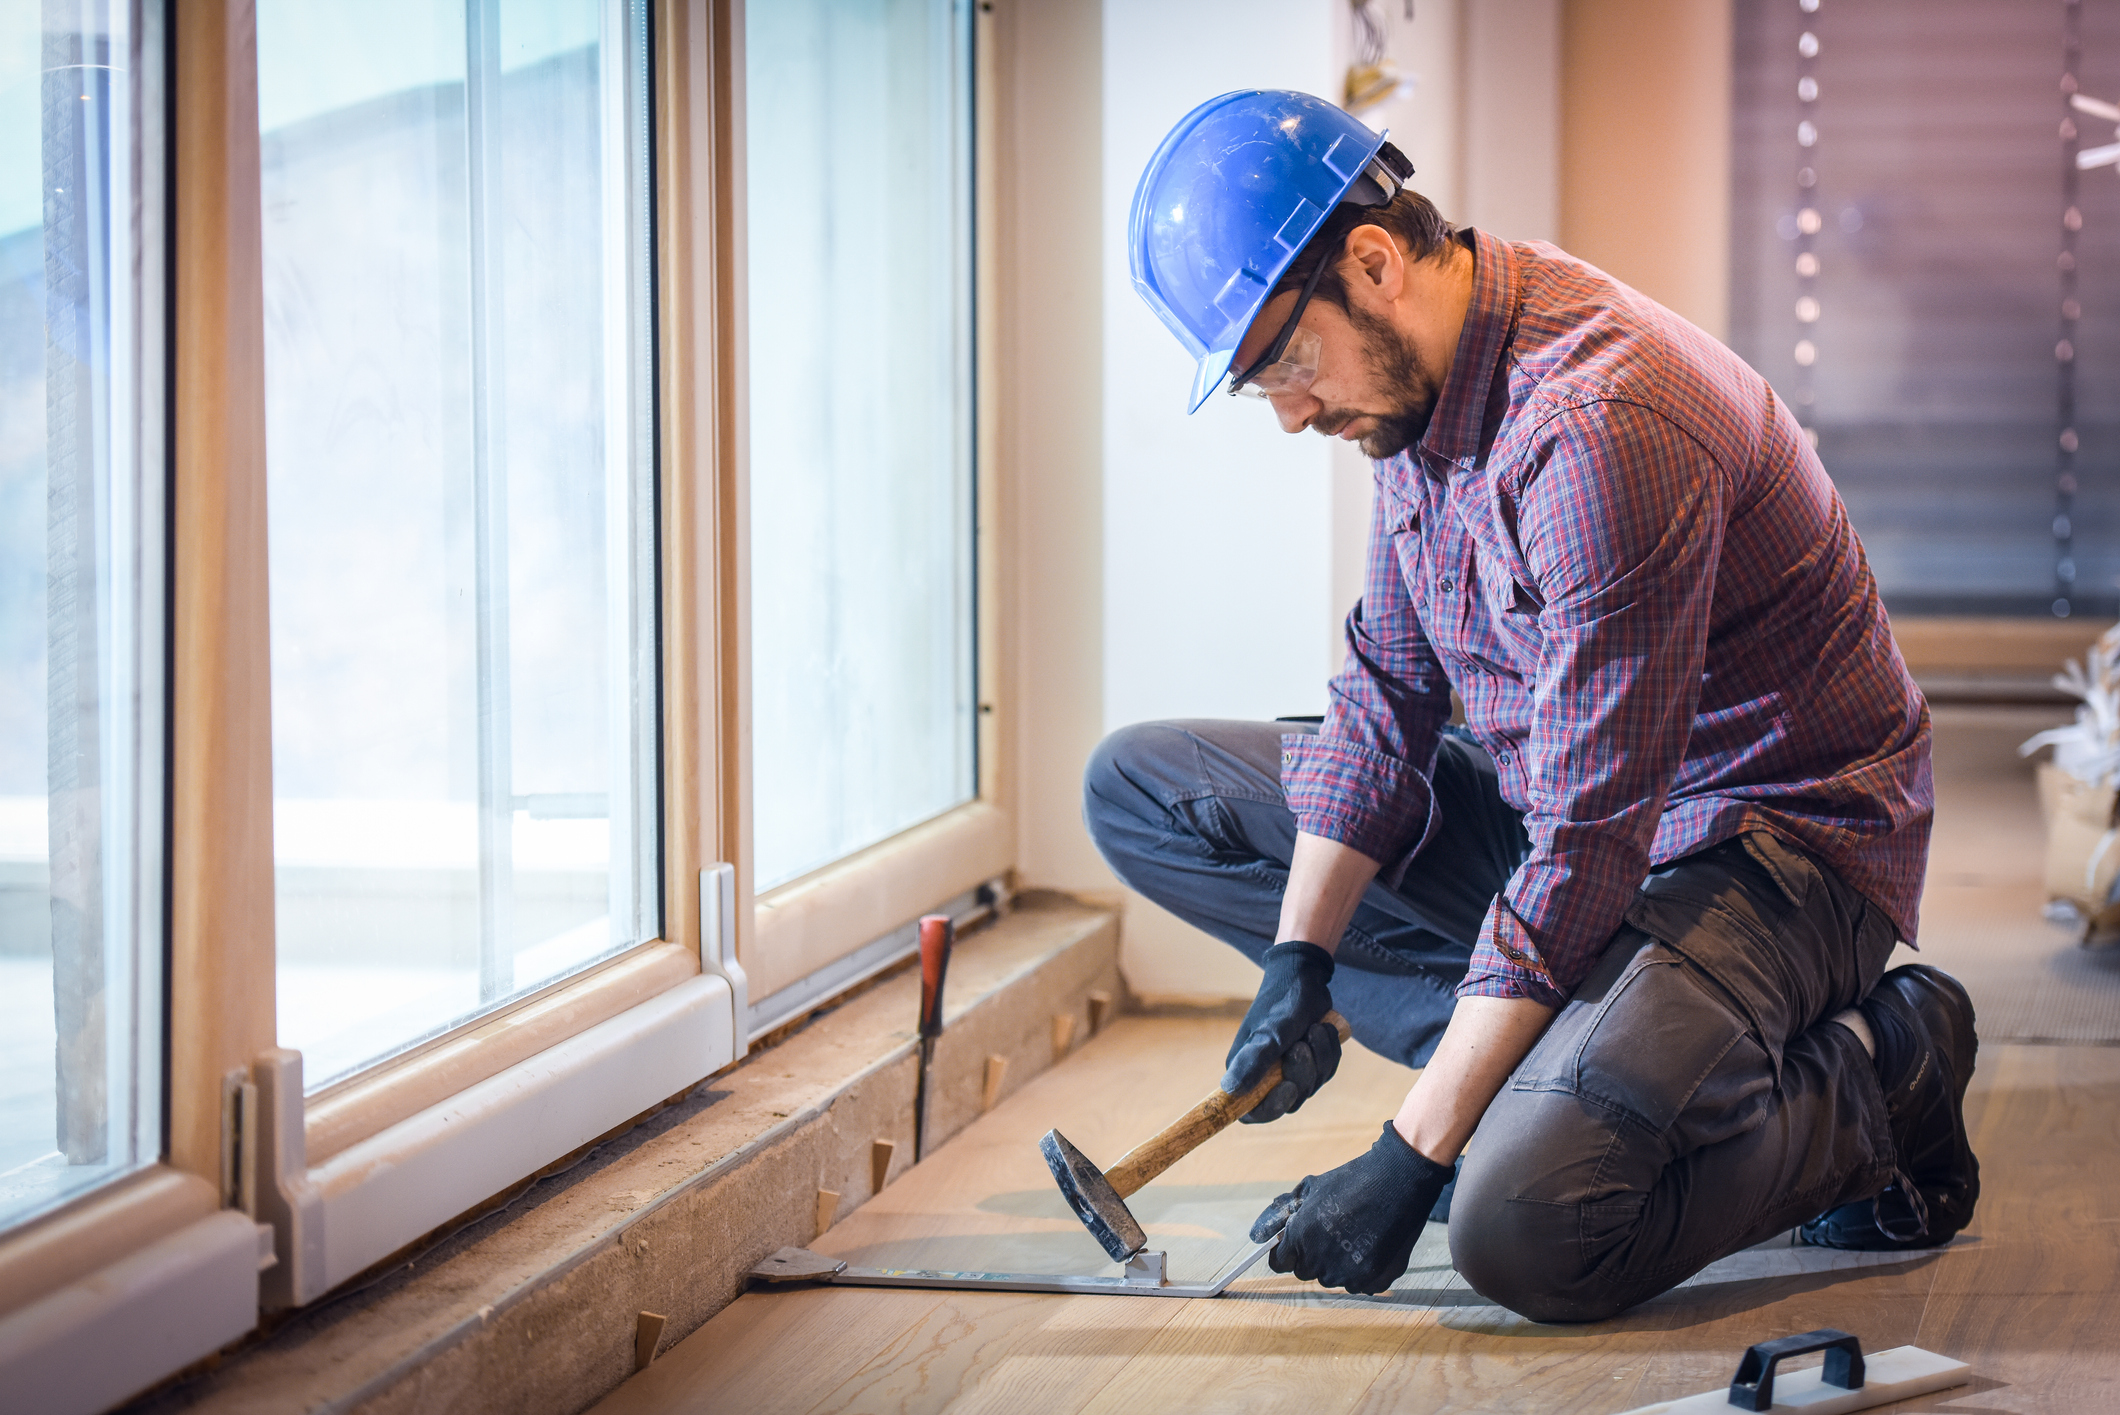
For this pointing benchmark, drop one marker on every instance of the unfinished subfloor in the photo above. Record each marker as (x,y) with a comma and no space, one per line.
(2024,1296)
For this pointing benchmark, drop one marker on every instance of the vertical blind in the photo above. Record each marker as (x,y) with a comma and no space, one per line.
(1937,168)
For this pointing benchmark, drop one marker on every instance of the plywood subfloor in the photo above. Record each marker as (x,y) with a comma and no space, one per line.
(2025,1296)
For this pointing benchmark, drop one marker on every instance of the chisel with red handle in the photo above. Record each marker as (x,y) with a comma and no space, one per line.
(938,932)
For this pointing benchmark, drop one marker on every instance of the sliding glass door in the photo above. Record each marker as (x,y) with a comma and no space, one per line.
(459,375)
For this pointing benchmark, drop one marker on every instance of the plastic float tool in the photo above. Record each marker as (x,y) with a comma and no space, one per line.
(1847,1380)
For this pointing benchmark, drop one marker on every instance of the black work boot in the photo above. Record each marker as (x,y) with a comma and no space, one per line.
(1923,1023)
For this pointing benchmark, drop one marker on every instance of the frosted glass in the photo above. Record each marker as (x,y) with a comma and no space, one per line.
(859,201)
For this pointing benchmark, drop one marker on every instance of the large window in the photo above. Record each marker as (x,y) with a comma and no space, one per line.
(462,502)
(1925,276)
(858,122)
(81,604)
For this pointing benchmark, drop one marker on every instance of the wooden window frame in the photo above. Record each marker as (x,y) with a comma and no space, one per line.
(160,1253)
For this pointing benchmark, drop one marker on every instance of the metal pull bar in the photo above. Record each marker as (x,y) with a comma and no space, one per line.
(1144,1276)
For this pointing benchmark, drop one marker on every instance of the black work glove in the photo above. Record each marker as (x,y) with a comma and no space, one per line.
(1355,1226)
(1283,1025)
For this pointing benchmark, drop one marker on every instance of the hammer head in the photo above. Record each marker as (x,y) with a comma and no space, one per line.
(1092,1197)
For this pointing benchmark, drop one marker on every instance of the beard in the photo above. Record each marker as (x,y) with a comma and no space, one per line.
(1399,368)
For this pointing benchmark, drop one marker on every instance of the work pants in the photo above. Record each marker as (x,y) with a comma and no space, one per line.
(1690,1100)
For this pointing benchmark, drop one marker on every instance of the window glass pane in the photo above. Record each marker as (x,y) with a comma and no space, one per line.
(858,130)
(82,476)
(461,482)
(1898,222)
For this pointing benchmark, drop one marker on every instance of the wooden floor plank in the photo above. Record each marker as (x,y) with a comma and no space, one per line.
(786,1354)
(2030,1301)
(1281,1345)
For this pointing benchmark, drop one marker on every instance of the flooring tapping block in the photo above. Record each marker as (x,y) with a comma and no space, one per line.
(1899,1374)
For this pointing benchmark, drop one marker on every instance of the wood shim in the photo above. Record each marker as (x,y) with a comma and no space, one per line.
(1100,1009)
(827,1207)
(880,1164)
(647,1335)
(996,1068)
(1063,1033)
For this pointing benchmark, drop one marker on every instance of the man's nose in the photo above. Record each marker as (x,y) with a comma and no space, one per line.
(1295,410)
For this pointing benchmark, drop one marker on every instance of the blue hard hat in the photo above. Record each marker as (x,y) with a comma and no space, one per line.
(1233,193)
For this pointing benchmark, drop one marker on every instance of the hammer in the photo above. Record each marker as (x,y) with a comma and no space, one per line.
(1099,1199)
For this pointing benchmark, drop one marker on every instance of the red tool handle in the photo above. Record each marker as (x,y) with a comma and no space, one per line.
(937,933)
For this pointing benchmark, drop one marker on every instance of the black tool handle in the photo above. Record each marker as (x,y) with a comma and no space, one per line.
(937,933)
(1754,1387)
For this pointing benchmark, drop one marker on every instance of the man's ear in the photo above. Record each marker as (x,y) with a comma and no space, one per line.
(1374,266)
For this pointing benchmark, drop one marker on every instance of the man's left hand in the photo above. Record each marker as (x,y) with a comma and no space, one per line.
(1354,1227)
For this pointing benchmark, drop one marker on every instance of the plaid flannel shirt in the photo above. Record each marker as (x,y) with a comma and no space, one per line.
(1617,545)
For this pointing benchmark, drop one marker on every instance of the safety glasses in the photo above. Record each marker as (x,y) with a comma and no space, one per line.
(1290,363)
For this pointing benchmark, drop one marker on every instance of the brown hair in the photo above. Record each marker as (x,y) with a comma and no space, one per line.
(1411,219)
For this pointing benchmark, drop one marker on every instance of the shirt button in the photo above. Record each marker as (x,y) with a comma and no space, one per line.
(1446,587)
(1502,758)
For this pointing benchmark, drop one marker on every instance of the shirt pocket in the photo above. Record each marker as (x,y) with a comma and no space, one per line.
(1511,607)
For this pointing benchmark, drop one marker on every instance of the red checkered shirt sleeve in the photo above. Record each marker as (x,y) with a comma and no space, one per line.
(1362,779)
(1620,524)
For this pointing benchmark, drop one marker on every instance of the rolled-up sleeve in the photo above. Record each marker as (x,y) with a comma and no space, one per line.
(1621,527)
(1363,778)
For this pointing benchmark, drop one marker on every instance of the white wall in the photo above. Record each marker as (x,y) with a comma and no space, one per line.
(1048,346)
(1512,106)
(1217,527)
(1216,532)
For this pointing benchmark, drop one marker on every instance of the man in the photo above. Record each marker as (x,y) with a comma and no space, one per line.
(1632,916)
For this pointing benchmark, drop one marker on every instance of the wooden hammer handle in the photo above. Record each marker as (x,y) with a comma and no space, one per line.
(1179,1138)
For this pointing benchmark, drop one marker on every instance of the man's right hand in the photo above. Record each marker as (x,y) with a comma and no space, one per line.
(1285,1024)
